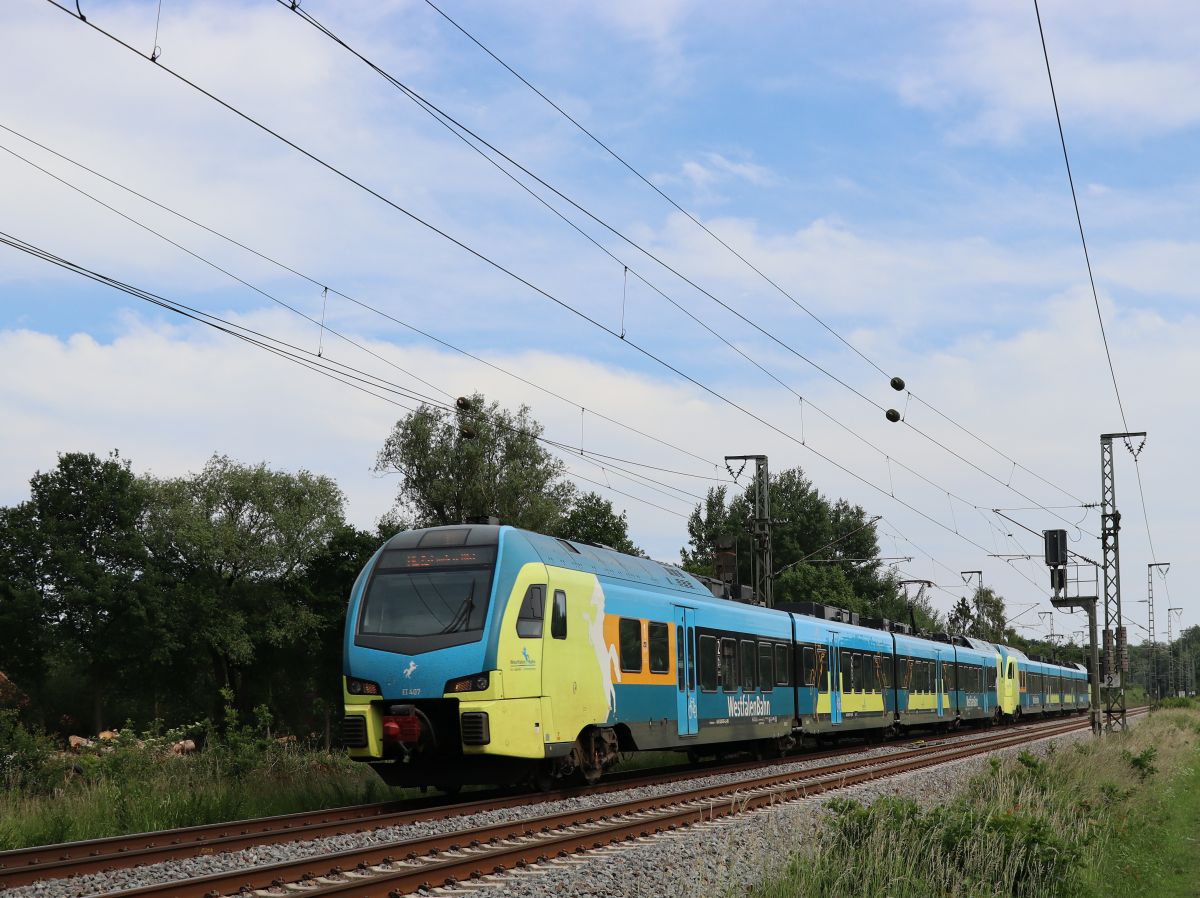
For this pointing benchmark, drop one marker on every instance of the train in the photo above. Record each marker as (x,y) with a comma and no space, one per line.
(488,654)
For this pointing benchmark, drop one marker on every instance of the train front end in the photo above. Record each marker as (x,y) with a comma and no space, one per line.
(420,668)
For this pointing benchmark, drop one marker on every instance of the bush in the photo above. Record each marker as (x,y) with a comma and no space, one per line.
(135,783)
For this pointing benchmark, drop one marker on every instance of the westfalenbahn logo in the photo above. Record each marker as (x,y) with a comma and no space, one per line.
(748,706)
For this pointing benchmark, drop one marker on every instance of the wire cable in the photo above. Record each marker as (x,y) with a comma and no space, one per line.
(461,131)
(324,366)
(527,283)
(700,224)
(1079,218)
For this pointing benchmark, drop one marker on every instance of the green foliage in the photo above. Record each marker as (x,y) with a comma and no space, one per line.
(24,753)
(817,547)
(477,461)
(134,783)
(592,519)
(1176,701)
(1142,763)
(483,460)
(1065,824)
(157,592)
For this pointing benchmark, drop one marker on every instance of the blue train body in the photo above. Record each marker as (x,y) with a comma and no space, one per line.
(482,653)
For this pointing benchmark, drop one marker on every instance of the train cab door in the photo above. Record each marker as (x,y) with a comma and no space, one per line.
(835,681)
(687,713)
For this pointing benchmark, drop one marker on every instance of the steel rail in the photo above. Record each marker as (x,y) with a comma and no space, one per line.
(28,865)
(478,851)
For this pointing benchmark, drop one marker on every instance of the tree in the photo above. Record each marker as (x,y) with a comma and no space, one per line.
(90,565)
(480,460)
(818,546)
(989,620)
(25,623)
(592,519)
(232,541)
(961,619)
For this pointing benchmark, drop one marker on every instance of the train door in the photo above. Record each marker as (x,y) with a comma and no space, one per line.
(938,684)
(686,711)
(835,681)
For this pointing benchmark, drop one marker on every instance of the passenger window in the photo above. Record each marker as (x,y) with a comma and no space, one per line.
(869,662)
(782,677)
(708,663)
(766,667)
(629,634)
(748,661)
(729,671)
(691,639)
(558,616)
(679,674)
(819,672)
(883,667)
(808,666)
(856,672)
(660,648)
(529,618)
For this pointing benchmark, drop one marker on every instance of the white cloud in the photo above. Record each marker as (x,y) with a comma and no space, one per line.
(168,397)
(1120,70)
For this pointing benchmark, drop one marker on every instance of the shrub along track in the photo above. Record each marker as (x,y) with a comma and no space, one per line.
(404,866)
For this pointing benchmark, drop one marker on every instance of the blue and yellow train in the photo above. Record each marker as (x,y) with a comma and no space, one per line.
(488,654)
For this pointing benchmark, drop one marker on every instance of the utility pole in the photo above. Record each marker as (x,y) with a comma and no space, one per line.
(920,584)
(1056,560)
(1172,688)
(764,567)
(1116,661)
(1152,682)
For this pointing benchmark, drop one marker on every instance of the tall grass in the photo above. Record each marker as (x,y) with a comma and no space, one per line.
(134,783)
(1028,827)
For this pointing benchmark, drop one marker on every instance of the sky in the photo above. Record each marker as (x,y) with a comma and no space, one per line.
(883,190)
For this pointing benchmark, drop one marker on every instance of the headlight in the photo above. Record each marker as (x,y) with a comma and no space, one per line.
(474,683)
(361,687)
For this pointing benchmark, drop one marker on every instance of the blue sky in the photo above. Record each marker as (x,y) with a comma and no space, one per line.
(897,170)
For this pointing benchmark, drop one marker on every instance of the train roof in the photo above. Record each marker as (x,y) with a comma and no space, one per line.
(608,562)
(564,553)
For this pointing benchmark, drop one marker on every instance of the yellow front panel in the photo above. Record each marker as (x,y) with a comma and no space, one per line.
(582,670)
(515,724)
(361,705)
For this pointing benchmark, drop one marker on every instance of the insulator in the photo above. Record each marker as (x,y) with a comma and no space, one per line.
(897,384)
(892,415)
(467,432)
(463,403)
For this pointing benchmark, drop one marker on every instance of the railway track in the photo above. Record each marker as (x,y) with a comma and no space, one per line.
(29,865)
(404,866)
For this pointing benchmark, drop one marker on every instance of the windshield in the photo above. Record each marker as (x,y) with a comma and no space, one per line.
(418,593)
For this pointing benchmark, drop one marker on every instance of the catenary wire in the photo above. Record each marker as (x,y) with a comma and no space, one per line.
(321,285)
(700,224)
(524,281)
(461,131)
(1091,277)
(367,384)
(563,446)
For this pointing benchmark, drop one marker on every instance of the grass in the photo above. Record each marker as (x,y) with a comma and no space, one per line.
(1110,818)
(1155,850)
(135,784)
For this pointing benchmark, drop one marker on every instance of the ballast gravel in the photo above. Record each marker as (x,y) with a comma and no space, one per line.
(727,856)
(698,861)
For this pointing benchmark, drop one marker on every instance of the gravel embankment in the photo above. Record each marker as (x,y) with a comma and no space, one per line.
(694,862)
(725,856)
